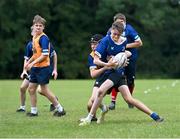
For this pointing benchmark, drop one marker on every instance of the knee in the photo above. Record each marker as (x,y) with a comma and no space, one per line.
(23,89)
(31,91)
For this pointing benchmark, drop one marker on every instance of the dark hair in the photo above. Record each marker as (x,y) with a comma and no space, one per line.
(120,16)
(96,38)
(119,26)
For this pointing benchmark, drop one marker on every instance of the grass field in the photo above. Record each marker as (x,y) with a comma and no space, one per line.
(163,96)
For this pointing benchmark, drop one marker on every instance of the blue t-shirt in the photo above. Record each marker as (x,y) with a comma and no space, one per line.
(91,61)
(107,48)
(131,34)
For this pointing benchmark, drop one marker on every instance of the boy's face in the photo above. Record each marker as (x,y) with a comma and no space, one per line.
(115,34)
(94,45)
(38,28)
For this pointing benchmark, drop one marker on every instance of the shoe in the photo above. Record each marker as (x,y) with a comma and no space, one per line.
(130,106)
(112,106)
(159,120)
(59,114)
(20,110)
(52,107)
(32,114)
(85,122)
(102,116)
(94,119)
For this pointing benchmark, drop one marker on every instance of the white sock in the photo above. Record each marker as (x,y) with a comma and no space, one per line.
(59,108)
(34,110)
(89,117)
(23,107)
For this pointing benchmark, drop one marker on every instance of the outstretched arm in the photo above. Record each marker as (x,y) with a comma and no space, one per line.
(54,73)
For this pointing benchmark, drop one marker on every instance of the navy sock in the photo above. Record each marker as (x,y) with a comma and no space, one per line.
(155,116)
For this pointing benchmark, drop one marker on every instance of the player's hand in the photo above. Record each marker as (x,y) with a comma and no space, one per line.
(55,74)
(111,63)
(23,74)
(29,66)
(126,63)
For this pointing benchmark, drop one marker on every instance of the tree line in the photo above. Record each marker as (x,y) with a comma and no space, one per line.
(71,23)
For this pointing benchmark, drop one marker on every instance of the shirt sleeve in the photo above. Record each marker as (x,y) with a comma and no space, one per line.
(101,49)
(133,33)
(28,51)
(52,50)
(91,64)
(44,42)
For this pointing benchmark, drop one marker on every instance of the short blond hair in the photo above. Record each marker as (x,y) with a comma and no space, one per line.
(39,19)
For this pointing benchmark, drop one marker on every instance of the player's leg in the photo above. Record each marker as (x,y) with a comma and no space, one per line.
(90,102)
(23,89)
(100,94)
(52,107)
(33,98)
(52,98)
(138,104)
(130,75)
(113,99)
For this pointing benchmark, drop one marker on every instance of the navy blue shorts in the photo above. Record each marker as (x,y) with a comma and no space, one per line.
(40,75)
(115,77)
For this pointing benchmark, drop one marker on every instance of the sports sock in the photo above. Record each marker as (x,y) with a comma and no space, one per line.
(114,94)
(89,117)
(34,110)
(155,116)
(59,108)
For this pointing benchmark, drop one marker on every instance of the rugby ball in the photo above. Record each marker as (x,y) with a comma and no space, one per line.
(121,59)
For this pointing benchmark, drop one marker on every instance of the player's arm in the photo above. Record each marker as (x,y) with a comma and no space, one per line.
(137,43)
(24,69)
(54,73)
(134,36)
(99,62)
(94,72)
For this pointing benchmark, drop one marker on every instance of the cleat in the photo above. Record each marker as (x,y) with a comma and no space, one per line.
(94,119)
(31,114)
(59,114)
(85,122)
(130,106)
(52,107)
(102,116)
(112,106)
(159,120)
(20,110)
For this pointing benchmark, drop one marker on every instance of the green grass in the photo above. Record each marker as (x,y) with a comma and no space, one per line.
(74,94)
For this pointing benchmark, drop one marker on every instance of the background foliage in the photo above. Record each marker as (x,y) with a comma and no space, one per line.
(70,25)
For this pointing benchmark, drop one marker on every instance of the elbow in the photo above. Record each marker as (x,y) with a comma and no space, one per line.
(140,43)
(95,61)
(93,76)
